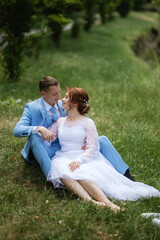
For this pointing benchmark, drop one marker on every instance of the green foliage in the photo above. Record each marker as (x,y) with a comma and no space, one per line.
(138,5)
(33,43)
(56,22)
(89,10)
(124,7)
(102,10)
(74,11)
(75,31)
(15,20)
(73,6)
(58,18)
(111,7)
(156,4)
(106,8)
(55,12)
(156,1)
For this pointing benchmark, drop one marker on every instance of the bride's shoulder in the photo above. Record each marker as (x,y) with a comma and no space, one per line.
(89,121)
(61,119)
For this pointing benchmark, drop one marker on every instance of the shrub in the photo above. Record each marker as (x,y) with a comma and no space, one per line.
(15,20)
(56,22)
(139,5)
(102,10)
(74,11)
(89,9)
(54,12)
(124,7)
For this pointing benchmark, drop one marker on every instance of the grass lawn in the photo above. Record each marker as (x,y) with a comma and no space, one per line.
(125,105)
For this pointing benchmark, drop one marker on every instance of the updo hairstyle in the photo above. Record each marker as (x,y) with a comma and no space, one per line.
(80,97)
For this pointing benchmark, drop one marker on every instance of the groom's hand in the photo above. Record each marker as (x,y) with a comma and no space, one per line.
(74,165)
(46,134)
(84,146)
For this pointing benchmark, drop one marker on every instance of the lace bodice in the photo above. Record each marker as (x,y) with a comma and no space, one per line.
(73,134)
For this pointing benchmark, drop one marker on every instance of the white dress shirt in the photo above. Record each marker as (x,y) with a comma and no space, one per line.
(48,108)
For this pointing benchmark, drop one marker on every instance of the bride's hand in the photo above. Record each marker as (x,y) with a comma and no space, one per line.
(74,165)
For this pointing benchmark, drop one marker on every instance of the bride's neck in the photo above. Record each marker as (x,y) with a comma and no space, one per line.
(74,115)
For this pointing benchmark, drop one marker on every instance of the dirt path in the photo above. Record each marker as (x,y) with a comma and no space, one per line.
(144,17)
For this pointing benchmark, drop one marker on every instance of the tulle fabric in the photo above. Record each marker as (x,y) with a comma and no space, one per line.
(94,166)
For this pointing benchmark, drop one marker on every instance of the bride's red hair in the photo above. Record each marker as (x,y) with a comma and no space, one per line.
(80,97)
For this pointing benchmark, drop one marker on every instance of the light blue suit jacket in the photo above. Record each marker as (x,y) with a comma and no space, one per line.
(34,114)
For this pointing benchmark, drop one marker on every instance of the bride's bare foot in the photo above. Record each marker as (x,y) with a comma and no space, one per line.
(101,204)
(113,207)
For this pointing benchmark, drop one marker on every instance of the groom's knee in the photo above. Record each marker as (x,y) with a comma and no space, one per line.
(104,140)
(35,140)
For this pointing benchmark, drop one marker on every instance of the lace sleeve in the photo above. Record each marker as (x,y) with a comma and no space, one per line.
(92,143)
(54,128)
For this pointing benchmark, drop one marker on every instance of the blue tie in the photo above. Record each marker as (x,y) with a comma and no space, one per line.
(53,110)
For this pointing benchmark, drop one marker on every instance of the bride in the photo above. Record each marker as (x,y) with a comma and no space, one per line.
(87,172)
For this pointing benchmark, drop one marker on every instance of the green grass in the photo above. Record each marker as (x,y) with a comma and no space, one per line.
(124,100)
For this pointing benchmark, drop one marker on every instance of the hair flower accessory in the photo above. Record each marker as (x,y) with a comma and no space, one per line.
(85,102)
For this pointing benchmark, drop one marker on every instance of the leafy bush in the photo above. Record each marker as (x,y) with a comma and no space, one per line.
(15,20)
(111,6)
(101,4)
(56,22)
(57,16)
(139,5)
(33,43)
(89,9)
(124,7)
(106,8)
(74,11)
(75,27)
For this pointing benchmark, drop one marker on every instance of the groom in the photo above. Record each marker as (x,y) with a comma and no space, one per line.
(39,115)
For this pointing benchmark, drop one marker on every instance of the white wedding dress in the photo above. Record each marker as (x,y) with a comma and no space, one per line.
(94,166)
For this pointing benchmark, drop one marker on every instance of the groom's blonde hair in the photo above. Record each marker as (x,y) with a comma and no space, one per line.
(46,82)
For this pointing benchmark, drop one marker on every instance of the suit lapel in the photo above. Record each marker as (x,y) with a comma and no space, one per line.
(44,113)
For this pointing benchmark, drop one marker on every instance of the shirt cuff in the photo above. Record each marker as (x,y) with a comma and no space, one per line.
(35,130)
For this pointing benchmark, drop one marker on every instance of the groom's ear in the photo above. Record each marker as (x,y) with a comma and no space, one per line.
(43,93)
